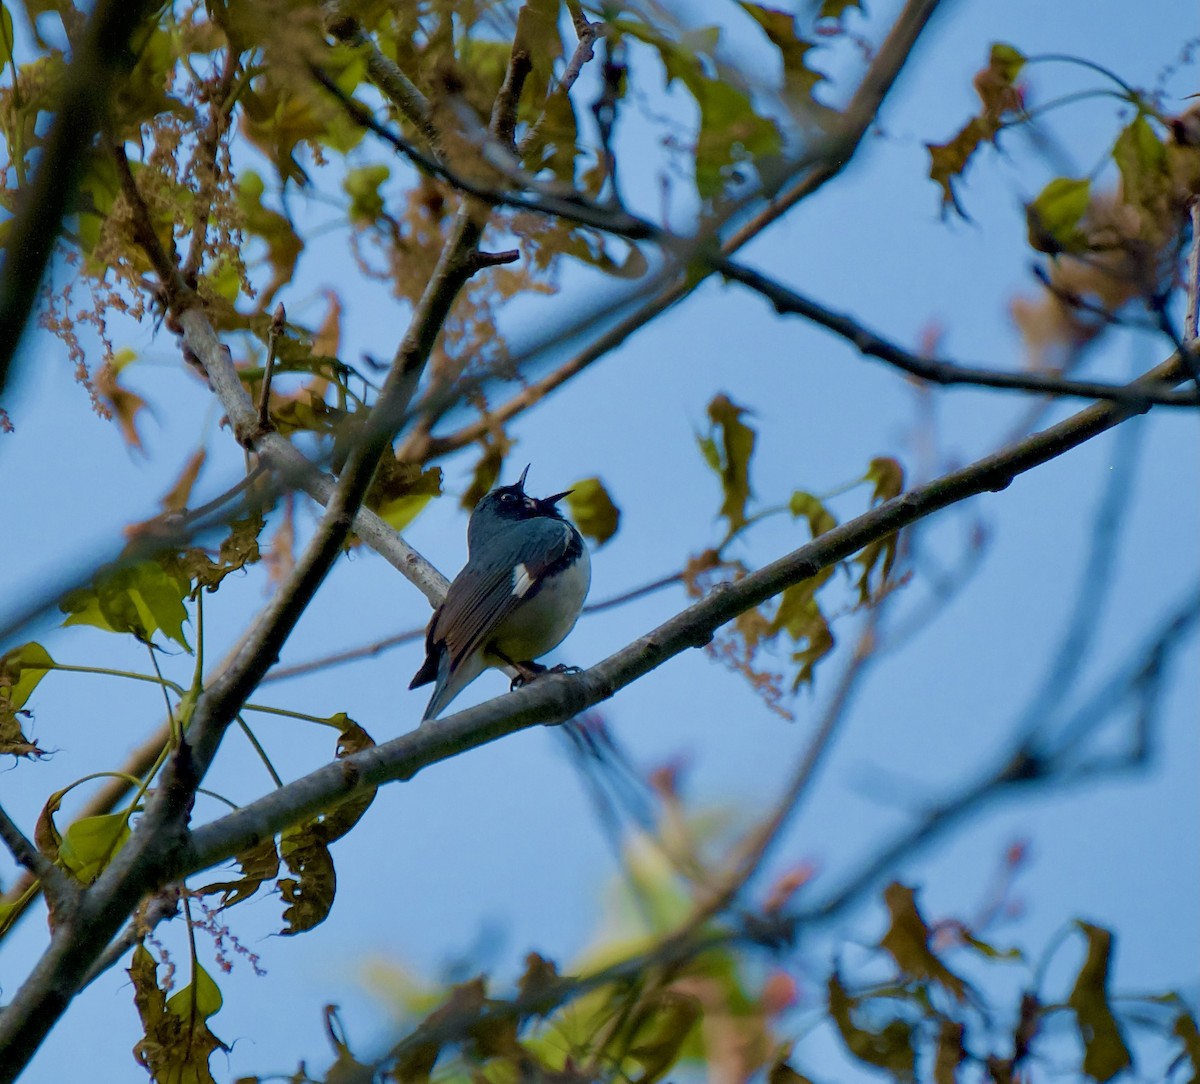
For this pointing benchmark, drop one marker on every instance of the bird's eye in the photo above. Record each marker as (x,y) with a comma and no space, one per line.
(507,498)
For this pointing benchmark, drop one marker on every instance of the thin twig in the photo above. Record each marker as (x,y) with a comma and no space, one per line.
(401,91)
(1192,314)
(264,395)
(785,300)
(854,124)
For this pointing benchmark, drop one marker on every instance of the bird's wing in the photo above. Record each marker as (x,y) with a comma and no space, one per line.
(480,598)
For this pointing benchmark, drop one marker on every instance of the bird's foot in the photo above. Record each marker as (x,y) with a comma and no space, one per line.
(526,673)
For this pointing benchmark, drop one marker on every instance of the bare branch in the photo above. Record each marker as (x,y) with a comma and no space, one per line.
(1192,314)
(785,300)
(1020,766)
(264,396)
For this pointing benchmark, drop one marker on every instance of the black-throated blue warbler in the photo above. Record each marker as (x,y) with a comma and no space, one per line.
(517,597)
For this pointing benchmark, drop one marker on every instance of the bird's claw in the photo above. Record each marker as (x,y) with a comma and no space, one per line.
(529,672)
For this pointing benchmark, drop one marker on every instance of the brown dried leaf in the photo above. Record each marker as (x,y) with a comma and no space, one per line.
(907,942)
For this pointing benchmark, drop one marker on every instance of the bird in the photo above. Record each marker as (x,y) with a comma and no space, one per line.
(517,597)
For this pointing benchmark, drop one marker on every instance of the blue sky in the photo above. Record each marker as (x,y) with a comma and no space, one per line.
(500,847)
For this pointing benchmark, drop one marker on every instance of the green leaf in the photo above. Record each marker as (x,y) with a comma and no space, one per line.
(820,519)
(949,1054)
(537,31)
(284,244)
(139,599)
(728,448)
(1005,63)
(834,9)
(593,510)
(309,894)
(782,1073)
(401,491)
(91,842)
(1184,1029)
(487,470)
(1104,1051)
(238,549)
(177,1042)
(1053,218)
(800,616)
(886,476)
(730,131)
(6,37)
(1141,158)
(200,998)
(21,670)
(279,114)
(658,1032)
(1000,97)
(362,186)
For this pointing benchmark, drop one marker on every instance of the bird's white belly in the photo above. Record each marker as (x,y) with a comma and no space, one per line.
(542,622)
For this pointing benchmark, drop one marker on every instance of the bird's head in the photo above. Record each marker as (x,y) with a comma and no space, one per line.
(510,504)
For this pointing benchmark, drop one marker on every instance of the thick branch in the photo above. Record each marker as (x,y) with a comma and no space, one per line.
(146,860)
(555,699)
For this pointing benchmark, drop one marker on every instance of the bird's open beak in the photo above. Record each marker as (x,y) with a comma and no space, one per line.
(521,480)
(557,497)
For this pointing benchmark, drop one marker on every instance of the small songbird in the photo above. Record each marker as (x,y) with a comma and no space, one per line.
(517,597)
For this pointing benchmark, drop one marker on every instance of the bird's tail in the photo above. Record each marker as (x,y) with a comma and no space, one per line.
(449,683)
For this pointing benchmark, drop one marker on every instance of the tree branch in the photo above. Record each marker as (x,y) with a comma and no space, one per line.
(787,301)
(557,698)
(1017,767)
(143,864)
(401,91)
(101,57)
(58,888)
(839,149)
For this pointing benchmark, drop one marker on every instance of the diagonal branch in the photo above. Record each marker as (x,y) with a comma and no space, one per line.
(59,889)
(555,699)
(144,863)
(839,149)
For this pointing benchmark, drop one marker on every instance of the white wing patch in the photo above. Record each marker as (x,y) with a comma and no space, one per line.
(522,581)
